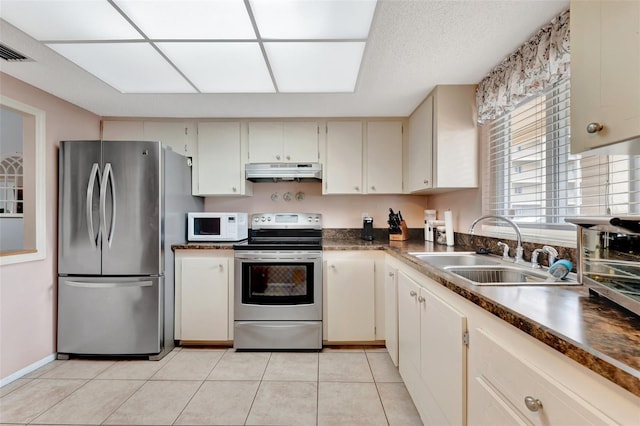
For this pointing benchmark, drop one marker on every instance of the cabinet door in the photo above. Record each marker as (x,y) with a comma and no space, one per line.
(265,142)
(455,140)
(605,72)
(391,312)
(180,136)
(489,408)
(419,152)
(350,300)
(204,310)
(408,326)
(443,357)
(218,163)
(122,130)
(384,157)
(300,142)
(343,167)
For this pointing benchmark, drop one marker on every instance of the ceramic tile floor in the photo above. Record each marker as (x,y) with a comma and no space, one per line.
(355,386)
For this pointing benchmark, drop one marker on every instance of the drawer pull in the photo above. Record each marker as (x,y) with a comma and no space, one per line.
(421,299)
(412,293)
(533,404)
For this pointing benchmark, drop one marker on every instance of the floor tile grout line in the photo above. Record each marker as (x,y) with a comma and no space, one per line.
(375,383)
(246,419)
(188,402)
(125,400)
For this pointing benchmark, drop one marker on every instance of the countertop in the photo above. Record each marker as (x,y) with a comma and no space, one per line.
(590,330)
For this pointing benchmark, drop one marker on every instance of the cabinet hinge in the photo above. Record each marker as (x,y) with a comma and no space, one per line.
(465,338)
(186,131)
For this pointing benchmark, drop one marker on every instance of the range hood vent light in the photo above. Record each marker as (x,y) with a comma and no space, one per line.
(284,172)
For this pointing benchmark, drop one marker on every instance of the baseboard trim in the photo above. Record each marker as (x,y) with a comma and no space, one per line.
(28,369)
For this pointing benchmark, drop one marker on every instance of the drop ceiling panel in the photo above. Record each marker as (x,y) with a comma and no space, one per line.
(315,67)
(237,67)
(68,20)
(128,67)
(180,20)
(313,19)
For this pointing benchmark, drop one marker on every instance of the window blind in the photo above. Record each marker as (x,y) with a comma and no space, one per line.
(533,178)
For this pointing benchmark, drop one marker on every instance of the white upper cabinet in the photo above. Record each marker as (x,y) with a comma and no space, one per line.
(605,73)
(122,130)
(384,157)
(419,158)
(343,165)
(218,168)
(179,135)
(283,142)
(442,151)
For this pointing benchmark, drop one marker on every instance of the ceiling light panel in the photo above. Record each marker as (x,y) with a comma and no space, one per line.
(237,67)
(128,67)
(68,20)
(313,19)
(315,67)
(180,20)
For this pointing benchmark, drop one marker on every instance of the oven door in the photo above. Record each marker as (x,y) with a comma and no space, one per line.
(278,285)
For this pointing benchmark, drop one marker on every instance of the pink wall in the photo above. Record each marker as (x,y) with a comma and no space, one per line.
(466,205)
(339,211)
(28,290)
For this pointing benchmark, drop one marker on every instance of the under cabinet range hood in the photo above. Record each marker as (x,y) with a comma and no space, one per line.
(279,172)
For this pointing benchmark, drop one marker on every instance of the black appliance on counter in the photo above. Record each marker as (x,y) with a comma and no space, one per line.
(278,283)
(367,228)
(609,258)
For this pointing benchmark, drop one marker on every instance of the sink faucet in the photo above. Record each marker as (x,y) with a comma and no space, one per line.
(519,249)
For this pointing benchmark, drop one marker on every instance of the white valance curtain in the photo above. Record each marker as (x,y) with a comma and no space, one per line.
(542,61)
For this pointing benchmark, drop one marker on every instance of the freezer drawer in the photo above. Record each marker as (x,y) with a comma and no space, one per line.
(109,316)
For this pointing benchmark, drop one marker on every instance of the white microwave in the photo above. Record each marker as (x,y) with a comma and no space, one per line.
(210,226)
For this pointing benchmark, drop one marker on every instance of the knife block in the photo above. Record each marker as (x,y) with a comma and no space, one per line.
(403,235)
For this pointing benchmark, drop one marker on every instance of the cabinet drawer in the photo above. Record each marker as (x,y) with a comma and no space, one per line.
(514,379)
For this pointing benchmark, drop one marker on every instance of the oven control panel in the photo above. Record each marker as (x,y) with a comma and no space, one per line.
(286,221)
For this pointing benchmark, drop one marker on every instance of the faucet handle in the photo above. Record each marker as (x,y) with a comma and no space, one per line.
(505,248)
(534,258)
(552,254)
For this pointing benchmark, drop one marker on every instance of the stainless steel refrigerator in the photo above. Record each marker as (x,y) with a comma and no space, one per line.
(121,206)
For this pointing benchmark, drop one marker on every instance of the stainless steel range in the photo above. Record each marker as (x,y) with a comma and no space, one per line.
(278,283)
(609,258)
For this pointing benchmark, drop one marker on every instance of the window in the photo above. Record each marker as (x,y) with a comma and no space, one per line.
(534,179)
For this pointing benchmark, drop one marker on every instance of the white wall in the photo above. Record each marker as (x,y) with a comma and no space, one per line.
(28,290)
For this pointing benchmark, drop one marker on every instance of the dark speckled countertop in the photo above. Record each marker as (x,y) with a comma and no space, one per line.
(589,330)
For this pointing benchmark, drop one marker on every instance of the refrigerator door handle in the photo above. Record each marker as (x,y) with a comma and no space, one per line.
(107,177)
(109,285)
(93,175)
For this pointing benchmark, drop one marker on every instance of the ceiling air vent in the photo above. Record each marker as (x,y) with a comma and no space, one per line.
(8,54)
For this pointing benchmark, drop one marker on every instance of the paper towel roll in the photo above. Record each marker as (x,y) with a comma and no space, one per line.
(448,224)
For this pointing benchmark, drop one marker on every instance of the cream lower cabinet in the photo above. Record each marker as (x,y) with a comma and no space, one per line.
(432,353)
(204,293)
(502,377)
(350,300)
(506,386)
(391,312)
(353,302)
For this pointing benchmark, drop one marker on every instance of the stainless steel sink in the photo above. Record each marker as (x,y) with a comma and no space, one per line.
(454,259)
(505,276)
